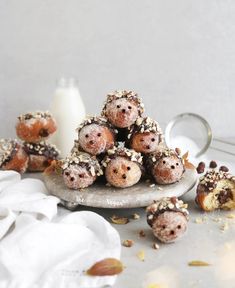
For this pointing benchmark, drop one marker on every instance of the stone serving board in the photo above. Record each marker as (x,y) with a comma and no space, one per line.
(102,196)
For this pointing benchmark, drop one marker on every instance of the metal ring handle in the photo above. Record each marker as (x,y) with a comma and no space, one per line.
(172,123)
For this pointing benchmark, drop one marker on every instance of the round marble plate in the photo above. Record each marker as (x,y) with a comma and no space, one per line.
(102,196)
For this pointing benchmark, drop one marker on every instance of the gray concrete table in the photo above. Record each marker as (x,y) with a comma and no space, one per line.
(210,238)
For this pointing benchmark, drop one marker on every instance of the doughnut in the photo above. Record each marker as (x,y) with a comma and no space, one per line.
(40,155)
(145,135)
(168,219)
(13,156)
(166,166)
(123,167)
(216,190)
(96,135)
(122,108)
(35,127)
(80,170)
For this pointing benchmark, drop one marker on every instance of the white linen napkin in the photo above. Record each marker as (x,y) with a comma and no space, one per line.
(27,195)
(41,252)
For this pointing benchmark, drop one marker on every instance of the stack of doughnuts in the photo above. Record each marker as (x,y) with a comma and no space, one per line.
(125,144)
(32,153)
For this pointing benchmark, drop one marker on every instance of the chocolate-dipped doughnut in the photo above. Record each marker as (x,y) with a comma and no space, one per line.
(168,219)
(13,156)
(40,155)
(122,108)
(216,190)
(145,135)
(80,170)
(123,167)
(166,166)
(35,127)
(96,135)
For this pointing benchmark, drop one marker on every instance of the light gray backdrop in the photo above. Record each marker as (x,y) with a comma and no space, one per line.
(178,54)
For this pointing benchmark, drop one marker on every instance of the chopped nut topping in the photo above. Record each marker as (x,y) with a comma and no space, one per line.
(128,243)
(7,147)
(165,204)
(35,115)
(212,177)
(96,120)
(122,152)
(82,158)
(42,148)
(144,125)
(129,95)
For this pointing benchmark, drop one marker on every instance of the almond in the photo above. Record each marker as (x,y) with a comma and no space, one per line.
(198,263)
(119,220)
(106,267)
(128,243)
(141,255)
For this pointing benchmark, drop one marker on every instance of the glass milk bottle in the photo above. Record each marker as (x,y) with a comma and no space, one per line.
(68,110)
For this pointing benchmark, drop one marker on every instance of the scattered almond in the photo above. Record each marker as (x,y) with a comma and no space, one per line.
(227,246)
(230,216)
(224,227)
(186,162)
(55,167)
(198,263)
(136,216)
(141,255)
(178,151)
(119,220)
(128,243)
(106,267)
(153,285)
(199,220)
(142,233)
(156,246)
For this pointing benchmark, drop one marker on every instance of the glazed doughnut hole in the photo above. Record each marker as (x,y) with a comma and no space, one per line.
(147,142)
(95,139)
(168,170)
(121,172)
(122,113)
(169,226)
(77,177)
